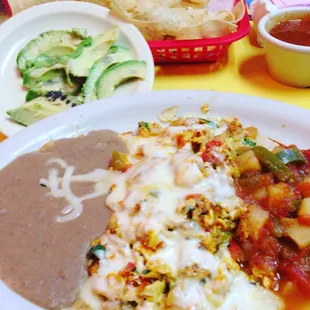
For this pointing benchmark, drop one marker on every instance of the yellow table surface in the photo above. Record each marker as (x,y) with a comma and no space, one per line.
(242,71)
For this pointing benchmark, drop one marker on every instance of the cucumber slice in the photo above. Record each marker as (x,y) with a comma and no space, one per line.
(117,74)
(116,55)
(50,43)
(90,51)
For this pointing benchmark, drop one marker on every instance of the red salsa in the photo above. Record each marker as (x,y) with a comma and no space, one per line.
(272,241)
(295,31)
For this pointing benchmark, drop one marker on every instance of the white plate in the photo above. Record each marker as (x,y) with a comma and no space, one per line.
(286,123)
(21,28)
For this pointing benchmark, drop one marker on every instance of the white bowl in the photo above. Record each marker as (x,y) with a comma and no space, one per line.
(287,63)
(21,28)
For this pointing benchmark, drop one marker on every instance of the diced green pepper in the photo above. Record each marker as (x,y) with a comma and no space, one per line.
(249,142)
(273,163)
(97,252)
(292,155)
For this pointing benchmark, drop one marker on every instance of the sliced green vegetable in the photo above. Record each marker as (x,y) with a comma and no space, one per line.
(249,142)
(32,94)
(117,74)
(81,32)
(79,50)
(115,55)
(33,75)
(44,60)
(292,155)
(146,271)
(42,107)
(51,79)
(90,51)
(50,43)
(273,163)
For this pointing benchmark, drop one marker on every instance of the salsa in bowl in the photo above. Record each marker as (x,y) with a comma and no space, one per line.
(286,38)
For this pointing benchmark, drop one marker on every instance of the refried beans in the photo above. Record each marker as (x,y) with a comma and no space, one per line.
(41,259)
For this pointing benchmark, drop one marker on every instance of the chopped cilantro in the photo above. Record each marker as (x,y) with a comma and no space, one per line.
(146,271)
(210,124)
(145,125)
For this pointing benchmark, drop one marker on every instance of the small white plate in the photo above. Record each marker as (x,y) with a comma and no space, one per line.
(21,28)
(285,123)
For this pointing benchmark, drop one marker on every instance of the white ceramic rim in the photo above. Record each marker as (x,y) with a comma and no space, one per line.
(57,126)
(284,45)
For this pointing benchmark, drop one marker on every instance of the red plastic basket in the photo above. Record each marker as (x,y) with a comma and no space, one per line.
(200,50)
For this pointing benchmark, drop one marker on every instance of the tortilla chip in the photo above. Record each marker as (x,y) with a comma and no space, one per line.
(168,114)
(177,19)
(209,29)
(239,11)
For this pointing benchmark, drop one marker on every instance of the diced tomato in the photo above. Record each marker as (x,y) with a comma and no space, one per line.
(277,205)
(306,153)
(143,285)
(214,142)
(130,267)
(304,220)
(268,245)
(210,155)
(180,141)
(288,253)
(236,251)
(256,181)
(299,276)
(264,265)
(304,188)
(193,196)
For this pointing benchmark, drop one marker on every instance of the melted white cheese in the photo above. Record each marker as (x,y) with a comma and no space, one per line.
(146,199)
(245,296)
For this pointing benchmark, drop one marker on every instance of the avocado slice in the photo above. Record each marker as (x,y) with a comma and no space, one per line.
(116,55)
(32,94)
(48,79)
(81,32)
(91,50)
(42,107)
(44,60)
(117,74)
(50,43)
